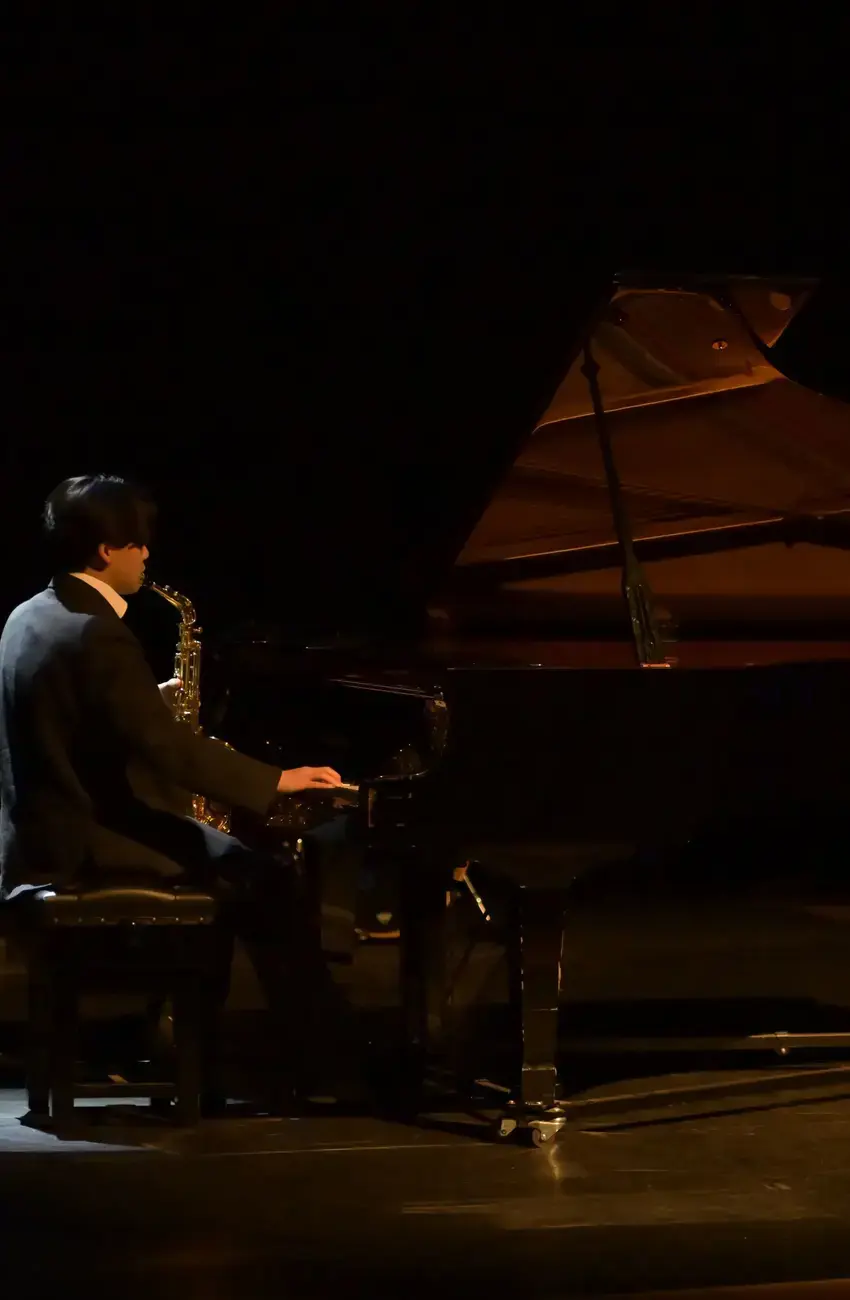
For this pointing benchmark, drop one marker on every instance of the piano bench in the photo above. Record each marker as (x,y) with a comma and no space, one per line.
(132,935)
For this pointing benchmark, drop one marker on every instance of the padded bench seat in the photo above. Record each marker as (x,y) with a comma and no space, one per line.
(122,932)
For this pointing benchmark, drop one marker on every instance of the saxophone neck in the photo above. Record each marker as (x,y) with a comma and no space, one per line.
(175,598)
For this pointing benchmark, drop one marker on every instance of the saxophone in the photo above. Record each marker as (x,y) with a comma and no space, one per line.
(187,702)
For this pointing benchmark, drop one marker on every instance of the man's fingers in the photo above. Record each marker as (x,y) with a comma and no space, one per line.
(328,776)
(309,778)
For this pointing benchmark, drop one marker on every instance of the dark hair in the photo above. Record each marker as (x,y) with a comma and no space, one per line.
(82,513)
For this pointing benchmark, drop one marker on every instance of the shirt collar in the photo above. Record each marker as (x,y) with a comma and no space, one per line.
(117,602)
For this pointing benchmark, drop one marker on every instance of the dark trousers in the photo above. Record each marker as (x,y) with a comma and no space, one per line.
(295,919)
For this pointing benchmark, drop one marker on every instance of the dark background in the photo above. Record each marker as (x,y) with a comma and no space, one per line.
(318,324)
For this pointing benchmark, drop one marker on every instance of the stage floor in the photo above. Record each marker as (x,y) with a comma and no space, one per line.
(753,1190)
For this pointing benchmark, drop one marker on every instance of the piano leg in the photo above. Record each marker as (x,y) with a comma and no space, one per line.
(536,943)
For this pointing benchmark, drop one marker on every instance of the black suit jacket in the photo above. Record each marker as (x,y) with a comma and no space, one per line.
(93,768)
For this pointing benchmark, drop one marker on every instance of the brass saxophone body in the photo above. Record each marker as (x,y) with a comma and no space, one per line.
(187,701)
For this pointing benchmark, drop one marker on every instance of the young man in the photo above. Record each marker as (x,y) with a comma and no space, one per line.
(94,770)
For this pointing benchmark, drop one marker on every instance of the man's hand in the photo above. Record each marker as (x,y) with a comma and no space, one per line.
(308,778)
(168,691)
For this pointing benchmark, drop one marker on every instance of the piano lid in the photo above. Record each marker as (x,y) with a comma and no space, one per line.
(473,466)
(716,450)
(667,341)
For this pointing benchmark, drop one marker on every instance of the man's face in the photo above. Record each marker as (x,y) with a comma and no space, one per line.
(125,567)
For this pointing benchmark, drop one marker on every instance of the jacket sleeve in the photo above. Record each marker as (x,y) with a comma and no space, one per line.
(127,704)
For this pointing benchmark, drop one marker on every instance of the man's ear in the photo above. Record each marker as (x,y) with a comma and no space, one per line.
(104,554)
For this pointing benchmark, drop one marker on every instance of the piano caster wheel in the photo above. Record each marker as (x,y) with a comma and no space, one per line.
(536,1132)
(543,1131)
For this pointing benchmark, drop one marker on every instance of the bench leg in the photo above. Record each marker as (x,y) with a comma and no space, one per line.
(63,1048)
(38,1054)
(187,1041)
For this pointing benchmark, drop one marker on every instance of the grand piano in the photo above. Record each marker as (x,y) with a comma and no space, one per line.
(635,659)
